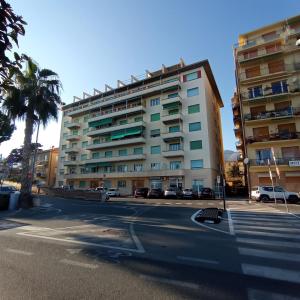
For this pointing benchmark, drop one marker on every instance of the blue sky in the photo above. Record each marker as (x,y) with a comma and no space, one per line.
(93,42)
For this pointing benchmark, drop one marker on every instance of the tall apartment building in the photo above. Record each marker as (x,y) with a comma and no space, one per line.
(266,106)
(159,131)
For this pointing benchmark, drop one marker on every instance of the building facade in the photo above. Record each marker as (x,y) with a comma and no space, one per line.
(46,166)
(266,105)
(159,131)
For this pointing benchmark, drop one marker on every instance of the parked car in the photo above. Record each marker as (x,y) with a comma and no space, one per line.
(189,194)
(141,192)
(266,193)
(172,193)
(100,188)
(7,189)
(113,192)
(155,193)
(206,193)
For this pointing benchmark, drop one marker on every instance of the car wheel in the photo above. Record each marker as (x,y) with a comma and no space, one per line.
(293,199)
(264,198)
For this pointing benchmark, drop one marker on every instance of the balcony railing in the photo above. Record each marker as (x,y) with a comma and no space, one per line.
(259,41)
(274,114)
(114,158)
(116,126)
(260,53)
(273,137)
(279,161)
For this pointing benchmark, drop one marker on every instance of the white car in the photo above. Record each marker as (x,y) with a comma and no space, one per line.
(113,192)
(265,193)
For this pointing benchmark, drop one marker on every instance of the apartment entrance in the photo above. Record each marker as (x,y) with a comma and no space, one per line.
(176,182)
(156,183)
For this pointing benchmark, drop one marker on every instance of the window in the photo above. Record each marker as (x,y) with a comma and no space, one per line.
(155,132)
(195,126)
(255,91)
(82,184)
(95,155)
(85,118)
(96,141)
(121,183)
(83,157)
(75,132)
(66,123)
(175,165)
(122,168)
(138,150)
(276,66)
(174,128)
(174,147)
(252,72)
(73,145)
(194,145)
(196,164)
(65,135)
(138,119)
(192,109)
(197,184)
(173,95)
(84,144)
(61,172)
(154,102)
(138,167)
(108,154)
(63,147)
(279,87)
(193,92)
(155,117)
(155,149)
(122,122)
(85,131)
(173,111)
(123,152)
(62,159)
(262,156)
(155,166)
(192,76)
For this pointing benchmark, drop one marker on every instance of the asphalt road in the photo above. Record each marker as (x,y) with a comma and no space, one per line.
(148,249)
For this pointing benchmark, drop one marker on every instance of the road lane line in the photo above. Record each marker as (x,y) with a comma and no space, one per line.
(230,223)
(199,260)
(16,251)
(265,242)
(267,228)
(171,282)
(78,264)
(271,273)
(267,234)
(269,254)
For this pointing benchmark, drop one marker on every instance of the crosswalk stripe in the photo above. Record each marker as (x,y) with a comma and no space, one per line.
(271,273)
(268,234)
(264,242)
(269,254)
(273,219)
(255,215)
(268,228)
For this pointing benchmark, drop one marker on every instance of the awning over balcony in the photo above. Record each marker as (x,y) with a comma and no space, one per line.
(99,164)
(128,132)
(100,122)
(173,105)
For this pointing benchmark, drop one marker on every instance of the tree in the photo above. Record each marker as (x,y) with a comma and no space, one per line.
(15,155)
(6,128)
(34,98)
(11,26)
(234,171)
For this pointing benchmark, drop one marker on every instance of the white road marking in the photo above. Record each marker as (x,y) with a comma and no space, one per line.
(265,242)
(268,228)
(171,282)
(263,295)
(294,215)
(230,223)
(78,264)
(74,251)
(269,219)
(275,234)
(199,260)
(189,203)
(178,203)
(271,273)
(269,254)
(16,251)
(168,203)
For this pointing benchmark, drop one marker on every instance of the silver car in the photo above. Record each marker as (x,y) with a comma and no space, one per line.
(172,193)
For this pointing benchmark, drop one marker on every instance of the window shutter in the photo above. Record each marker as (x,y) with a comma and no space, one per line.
(184,78)
(199,73)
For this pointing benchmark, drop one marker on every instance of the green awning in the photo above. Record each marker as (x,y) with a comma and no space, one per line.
(100,164)
(173,105)
(100,122)
(117,134)
(133,131)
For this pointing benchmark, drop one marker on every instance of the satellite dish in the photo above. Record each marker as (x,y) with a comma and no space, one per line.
(246,161)
(298,42)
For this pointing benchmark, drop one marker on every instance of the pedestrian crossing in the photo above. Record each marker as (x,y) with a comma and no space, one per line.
(268,244)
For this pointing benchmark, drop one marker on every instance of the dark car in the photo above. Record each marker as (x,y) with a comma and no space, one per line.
(141,192)
(189,194)
(155,193)
(7,189)
(206,193)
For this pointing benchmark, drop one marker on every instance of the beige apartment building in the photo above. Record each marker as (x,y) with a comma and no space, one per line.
(266,106)
(157,131)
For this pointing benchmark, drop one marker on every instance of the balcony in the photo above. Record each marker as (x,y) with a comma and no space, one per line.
(72,125)
(129,93)
(279,161)
(109,128)
(167,136)
(110,144)
(71,162)
(73,137)
(72,150)
(177,151)
(116,112)
(173,100)
(239,145)
(262,52)
(273,114)
(238,132)
(280,136)
(170,117)
(116,158)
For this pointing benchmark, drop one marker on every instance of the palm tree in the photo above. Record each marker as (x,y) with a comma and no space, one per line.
(33,97)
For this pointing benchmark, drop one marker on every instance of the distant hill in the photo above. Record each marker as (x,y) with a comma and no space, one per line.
(230,155)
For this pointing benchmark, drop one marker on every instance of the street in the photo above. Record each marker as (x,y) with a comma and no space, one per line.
(148,249)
